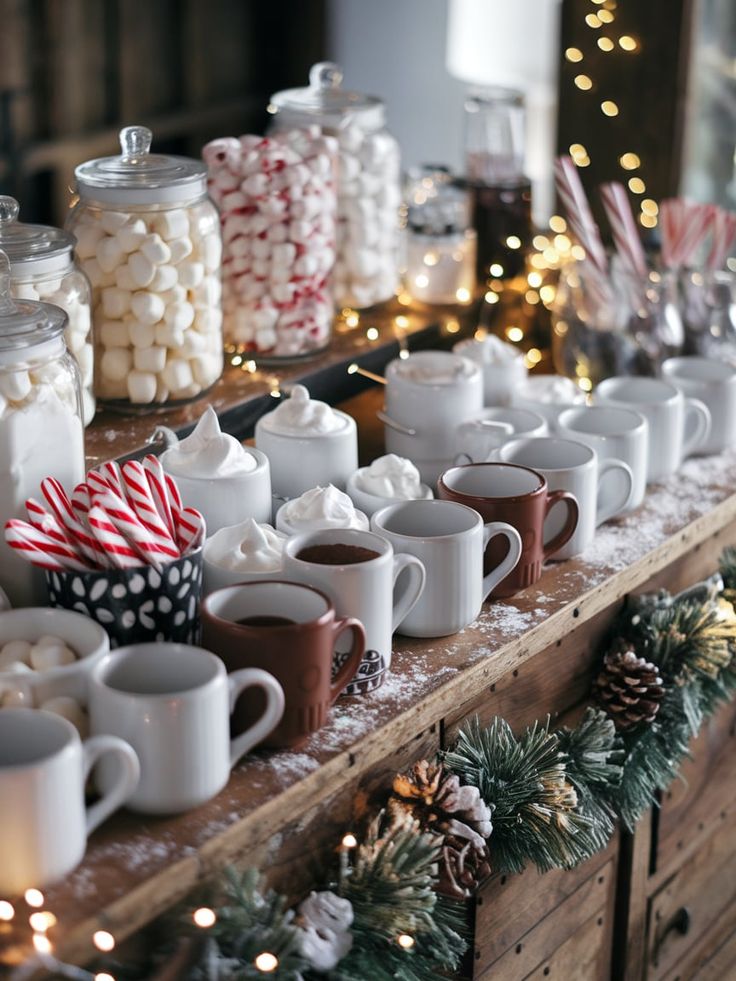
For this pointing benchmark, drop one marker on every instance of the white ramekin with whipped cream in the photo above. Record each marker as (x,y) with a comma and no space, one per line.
(308,444)
(217,475)
(502,364)
(387,480)
(317,509)
(549,395)
(245,552)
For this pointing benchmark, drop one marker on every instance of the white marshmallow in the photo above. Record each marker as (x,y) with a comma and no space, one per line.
(149,359)
(190,273)
(15,385)
(255,185)
(141,335)
(177,375)
(306,265)
(115,363)
(211,251)
(206,369)
(155,249)
(51,656)
(208,292)
(141,387)
(112,221)
(109,254)
(142,270)
(168,336)
(179,315)
(261,268)
(284,254)
(241,246)
(115,302)
(177,294)
(13,651)
(208,320)
(277,233)
(147,307)
(70,709)
(180,248)
(131,235)
(172,224)
(124,279)
(165,278)
(299,231)
(85,360)
(283,292)
(260,248)
(114,333)
(87,237)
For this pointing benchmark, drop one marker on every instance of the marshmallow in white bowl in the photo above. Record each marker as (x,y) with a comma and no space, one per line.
(388,479)
(224,480)
(308,444)
(502,364)
(548,395)
(317,509)
(242,553)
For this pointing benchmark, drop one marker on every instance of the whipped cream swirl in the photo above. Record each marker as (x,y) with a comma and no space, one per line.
(247,547)
(435,368)
(303,416)
(489,350)
(208,452)
(550,389)
(322,507)
(391,476)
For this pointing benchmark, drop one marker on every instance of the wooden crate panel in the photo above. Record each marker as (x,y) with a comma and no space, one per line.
(555,916)
(683,913)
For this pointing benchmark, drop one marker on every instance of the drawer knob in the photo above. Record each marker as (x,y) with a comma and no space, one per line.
(678,923)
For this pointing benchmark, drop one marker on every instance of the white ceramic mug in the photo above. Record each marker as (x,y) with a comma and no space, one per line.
(602,489)
(227,501)
(500,378)
(173,703)
(714,384)
(615,434)
(362,589)
(678,426)
(477,438)
(548,395)
(368,503)
(43,770)
(450,539)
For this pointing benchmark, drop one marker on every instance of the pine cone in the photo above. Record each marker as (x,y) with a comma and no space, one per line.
(629,688)
(456,813)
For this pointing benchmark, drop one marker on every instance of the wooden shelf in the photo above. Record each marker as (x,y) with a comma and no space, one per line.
(136,868)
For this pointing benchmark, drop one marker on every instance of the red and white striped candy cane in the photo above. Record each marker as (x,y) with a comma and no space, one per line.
(32,553)
(111,472)
(77,532)
(98,483)
(724,230)
(697,223)
(579,216)
(116,547)
(40,518)
(190,529)
(29,540)
(625,233)
(156,479)
(141,500)
(140,539)
(81,501)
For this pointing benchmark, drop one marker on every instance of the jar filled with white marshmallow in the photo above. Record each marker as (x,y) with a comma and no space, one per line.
(42,267)
(366,269)
(41,431)
(148,239)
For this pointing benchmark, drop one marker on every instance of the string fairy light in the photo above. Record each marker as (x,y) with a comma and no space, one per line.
(34,897)
(405,940)
(204,917)
(7,911)
(103,940)
(266,962)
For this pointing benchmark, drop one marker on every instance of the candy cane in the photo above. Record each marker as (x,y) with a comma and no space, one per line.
(117,548)
(190,529)
(724,230)
(29,540)
(141,500)
(60,504)
(98,483)
(156,479)
(40,518)
(81,500)
(32,553)
(111,471)
(625,233)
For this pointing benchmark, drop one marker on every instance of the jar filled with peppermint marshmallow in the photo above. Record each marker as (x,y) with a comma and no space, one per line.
(368,181)
(42,267)
(148,239)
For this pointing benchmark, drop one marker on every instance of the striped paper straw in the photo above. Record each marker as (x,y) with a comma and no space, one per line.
(579,216)
(115,546)
(141,500)
(724,230)
(35,545)
(625,233)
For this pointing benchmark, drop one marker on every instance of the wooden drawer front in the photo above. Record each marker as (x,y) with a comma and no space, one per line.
(695,912)
(705,798)
(531,922)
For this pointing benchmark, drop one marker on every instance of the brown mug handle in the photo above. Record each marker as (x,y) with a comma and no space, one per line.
(345,675)
(566,532)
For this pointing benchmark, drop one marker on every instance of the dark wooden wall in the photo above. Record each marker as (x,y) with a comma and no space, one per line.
(72,72)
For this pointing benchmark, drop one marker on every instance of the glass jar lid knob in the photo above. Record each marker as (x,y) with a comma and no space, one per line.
(135,142)
(9,209)
(325,75)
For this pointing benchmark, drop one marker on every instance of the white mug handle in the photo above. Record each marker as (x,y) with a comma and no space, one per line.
(126,781)
(612,508)
(238,681)
(511,560)
(698,421)
(413,590)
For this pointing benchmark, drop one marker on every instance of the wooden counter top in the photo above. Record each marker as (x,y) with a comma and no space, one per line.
(135,867)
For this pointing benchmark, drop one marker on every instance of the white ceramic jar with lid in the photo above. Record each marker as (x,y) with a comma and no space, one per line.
(148,238)
(41,429)
(42,267)
(369,188)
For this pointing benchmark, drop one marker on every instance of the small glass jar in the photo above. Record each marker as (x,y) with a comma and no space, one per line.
(708,299)
(148,239)
(41,428)
(369,182)
(440,247)
(42,267)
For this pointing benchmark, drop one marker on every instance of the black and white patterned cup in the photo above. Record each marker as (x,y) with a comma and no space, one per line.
(136,605)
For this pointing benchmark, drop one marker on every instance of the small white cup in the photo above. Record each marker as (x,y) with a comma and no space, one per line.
(450,540)
(571,466)
(477,438)
(500,378)
(548,395)
(678,426)
(173,703)
(215,576)
(369,503)
(615,434)
(85,637)
(714,384)
(301,461)
(43,769)
(227,501)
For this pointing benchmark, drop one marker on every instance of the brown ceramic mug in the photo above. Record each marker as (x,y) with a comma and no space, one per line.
(289,630)
(519,496)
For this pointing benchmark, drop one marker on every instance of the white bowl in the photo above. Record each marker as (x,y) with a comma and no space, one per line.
(85,637)
(370,503)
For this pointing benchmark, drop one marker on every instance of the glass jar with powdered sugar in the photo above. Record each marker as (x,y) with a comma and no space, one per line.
(41,429)
(42,267)
(148,239)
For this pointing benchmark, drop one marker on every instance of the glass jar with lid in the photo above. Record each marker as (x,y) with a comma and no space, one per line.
(148,239)
(42,267)
(41,429)
(366,270)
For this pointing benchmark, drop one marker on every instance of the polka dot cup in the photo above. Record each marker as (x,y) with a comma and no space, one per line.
(136,605)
